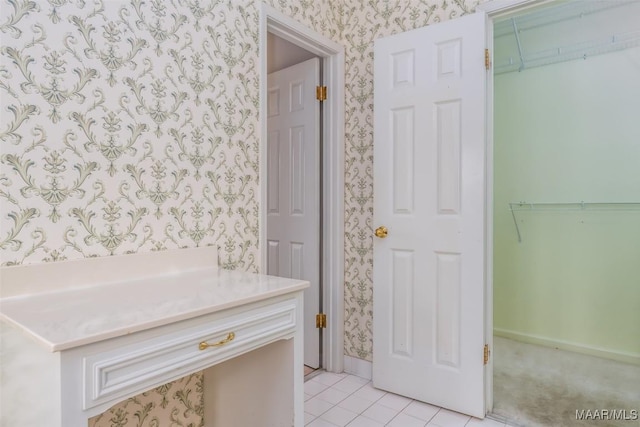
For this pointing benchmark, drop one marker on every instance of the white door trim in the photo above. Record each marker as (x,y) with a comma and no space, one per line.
(497,9)
(332,53)
(493,9)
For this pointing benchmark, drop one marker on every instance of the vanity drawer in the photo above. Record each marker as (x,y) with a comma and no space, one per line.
(134,367)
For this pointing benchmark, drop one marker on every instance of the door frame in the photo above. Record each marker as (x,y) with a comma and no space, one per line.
(332,215)
(493,10)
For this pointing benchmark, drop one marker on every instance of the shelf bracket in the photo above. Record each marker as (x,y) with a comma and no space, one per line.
(517,36)
(515,222)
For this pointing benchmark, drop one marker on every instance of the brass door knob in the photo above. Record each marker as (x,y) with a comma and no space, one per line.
(381,232)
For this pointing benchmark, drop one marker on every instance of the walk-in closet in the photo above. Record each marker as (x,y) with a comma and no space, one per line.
(566,273)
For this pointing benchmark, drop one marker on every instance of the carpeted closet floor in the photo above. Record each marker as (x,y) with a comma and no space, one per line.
(539,386)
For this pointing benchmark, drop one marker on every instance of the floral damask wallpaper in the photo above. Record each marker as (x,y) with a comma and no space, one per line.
(175,404)
(128,125)
(133,125)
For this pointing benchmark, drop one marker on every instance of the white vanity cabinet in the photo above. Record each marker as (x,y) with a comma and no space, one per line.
(71,353)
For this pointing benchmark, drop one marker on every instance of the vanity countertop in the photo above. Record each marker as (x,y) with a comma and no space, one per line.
(67,318)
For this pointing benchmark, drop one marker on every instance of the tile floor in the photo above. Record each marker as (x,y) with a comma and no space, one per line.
(338,400)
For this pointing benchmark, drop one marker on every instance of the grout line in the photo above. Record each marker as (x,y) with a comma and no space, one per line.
(360,413)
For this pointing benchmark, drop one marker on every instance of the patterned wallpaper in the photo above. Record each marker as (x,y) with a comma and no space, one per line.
(132,125)
(128,126)
(178,403)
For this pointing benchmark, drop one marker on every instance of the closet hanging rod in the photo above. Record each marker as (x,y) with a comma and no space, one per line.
(572,206)
(568,206)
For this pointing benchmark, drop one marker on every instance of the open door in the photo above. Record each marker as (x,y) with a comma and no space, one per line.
(293,187)
(429,207)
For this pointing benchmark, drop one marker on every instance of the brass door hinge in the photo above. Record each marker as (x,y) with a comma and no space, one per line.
(486,353)
(321,93)
(487,59)
(321,320)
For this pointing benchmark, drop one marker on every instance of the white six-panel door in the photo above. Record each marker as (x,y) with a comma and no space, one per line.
(293,187)
(429,191)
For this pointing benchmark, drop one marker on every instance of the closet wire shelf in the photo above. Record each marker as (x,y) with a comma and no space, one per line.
(599,39)
(568,206)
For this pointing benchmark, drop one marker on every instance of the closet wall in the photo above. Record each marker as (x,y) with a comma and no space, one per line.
(569,132)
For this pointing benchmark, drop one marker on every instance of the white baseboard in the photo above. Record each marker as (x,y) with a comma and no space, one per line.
(358,367)
(569,346)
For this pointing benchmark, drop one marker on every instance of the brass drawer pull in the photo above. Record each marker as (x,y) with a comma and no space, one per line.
(205,345)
